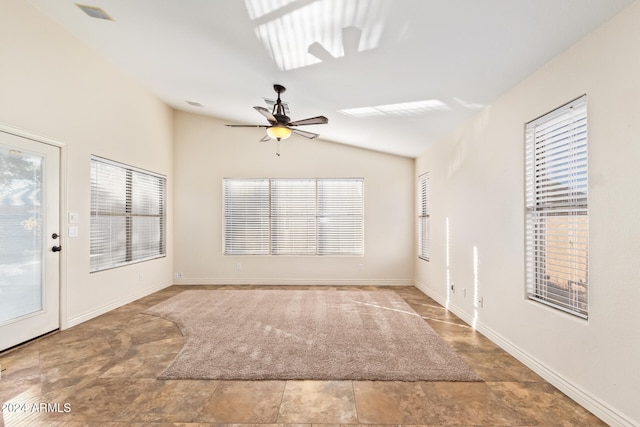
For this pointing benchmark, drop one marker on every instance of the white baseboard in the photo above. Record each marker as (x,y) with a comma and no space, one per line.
(116,304)
(309,282)
(596,406)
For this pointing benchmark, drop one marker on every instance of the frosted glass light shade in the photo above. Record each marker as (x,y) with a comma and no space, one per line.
(278,132)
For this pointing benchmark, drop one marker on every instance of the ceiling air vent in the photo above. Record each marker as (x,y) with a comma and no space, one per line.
(94,12)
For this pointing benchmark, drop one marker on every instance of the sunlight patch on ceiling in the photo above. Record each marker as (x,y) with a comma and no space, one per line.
(469,105)
(402,109)
(301,33)
(258,8)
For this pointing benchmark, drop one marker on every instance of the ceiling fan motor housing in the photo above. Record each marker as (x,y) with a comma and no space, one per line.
(281,118)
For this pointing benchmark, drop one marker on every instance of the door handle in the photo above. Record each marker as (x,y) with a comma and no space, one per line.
(56,248)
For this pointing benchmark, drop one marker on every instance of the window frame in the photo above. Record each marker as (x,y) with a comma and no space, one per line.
(557,209)
(153,245)
(317,209)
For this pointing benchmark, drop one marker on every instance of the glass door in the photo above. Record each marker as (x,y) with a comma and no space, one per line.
(29,239)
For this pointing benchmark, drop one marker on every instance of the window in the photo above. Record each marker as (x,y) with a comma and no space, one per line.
(293,216)
(423,217)
(127,215)
(557,222)
(246,216)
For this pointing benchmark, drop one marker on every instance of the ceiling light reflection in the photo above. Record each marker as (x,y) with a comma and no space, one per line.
(402,109)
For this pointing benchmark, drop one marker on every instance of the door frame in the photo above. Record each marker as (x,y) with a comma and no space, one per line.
(62,280)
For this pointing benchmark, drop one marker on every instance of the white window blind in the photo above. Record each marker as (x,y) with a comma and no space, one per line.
(557,223)
(246,216)
(340,216)
(293,216)
(127,215)
(423,217)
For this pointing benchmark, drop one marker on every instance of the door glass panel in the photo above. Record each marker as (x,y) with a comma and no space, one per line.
(21,240)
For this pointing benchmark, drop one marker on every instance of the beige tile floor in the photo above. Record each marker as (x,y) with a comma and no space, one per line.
(105,370)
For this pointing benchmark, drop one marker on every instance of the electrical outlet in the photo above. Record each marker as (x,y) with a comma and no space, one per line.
(179,275)
(238,266)
(360,267)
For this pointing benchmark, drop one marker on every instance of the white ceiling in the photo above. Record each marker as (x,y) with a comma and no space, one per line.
(425,66)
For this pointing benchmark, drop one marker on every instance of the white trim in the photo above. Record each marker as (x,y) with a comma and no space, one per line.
(116,304)
(590,402)
(596,406)
(280,281)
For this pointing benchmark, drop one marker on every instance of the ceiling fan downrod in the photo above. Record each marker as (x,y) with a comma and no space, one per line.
(278,109)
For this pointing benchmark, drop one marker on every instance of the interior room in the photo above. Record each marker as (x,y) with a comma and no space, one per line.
(434,111)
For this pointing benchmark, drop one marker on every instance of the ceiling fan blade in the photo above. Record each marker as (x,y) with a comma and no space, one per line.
(267,114)
(265,138)
(319,120)
(247,126)
(306,134)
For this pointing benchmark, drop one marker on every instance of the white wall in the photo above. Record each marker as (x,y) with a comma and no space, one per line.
(53,85)
(477,181)
(206,152)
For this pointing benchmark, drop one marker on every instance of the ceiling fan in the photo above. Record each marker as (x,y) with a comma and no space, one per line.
(280,125)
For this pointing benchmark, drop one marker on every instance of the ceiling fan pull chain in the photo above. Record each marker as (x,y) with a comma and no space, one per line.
(278,148)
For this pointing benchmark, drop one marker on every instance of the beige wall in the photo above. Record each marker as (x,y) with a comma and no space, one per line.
(477,182)
(206,152)
(51,84)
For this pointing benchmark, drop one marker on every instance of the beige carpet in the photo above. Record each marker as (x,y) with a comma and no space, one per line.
(305,334)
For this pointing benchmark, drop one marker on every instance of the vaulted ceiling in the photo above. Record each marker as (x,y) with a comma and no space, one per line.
(392,76)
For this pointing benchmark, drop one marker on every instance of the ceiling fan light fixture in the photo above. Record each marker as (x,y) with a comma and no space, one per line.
(278,132)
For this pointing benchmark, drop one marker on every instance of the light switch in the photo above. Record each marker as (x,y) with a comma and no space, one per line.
(73,217)
(73,231)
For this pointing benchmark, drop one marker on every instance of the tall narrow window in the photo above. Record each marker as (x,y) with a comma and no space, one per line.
(423,217)
(128,221)
(306,216)
(557,222)
(293,217)
(246,216)
(340,217)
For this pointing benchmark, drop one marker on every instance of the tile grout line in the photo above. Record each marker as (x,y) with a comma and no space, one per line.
(355,401)
(284,389)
